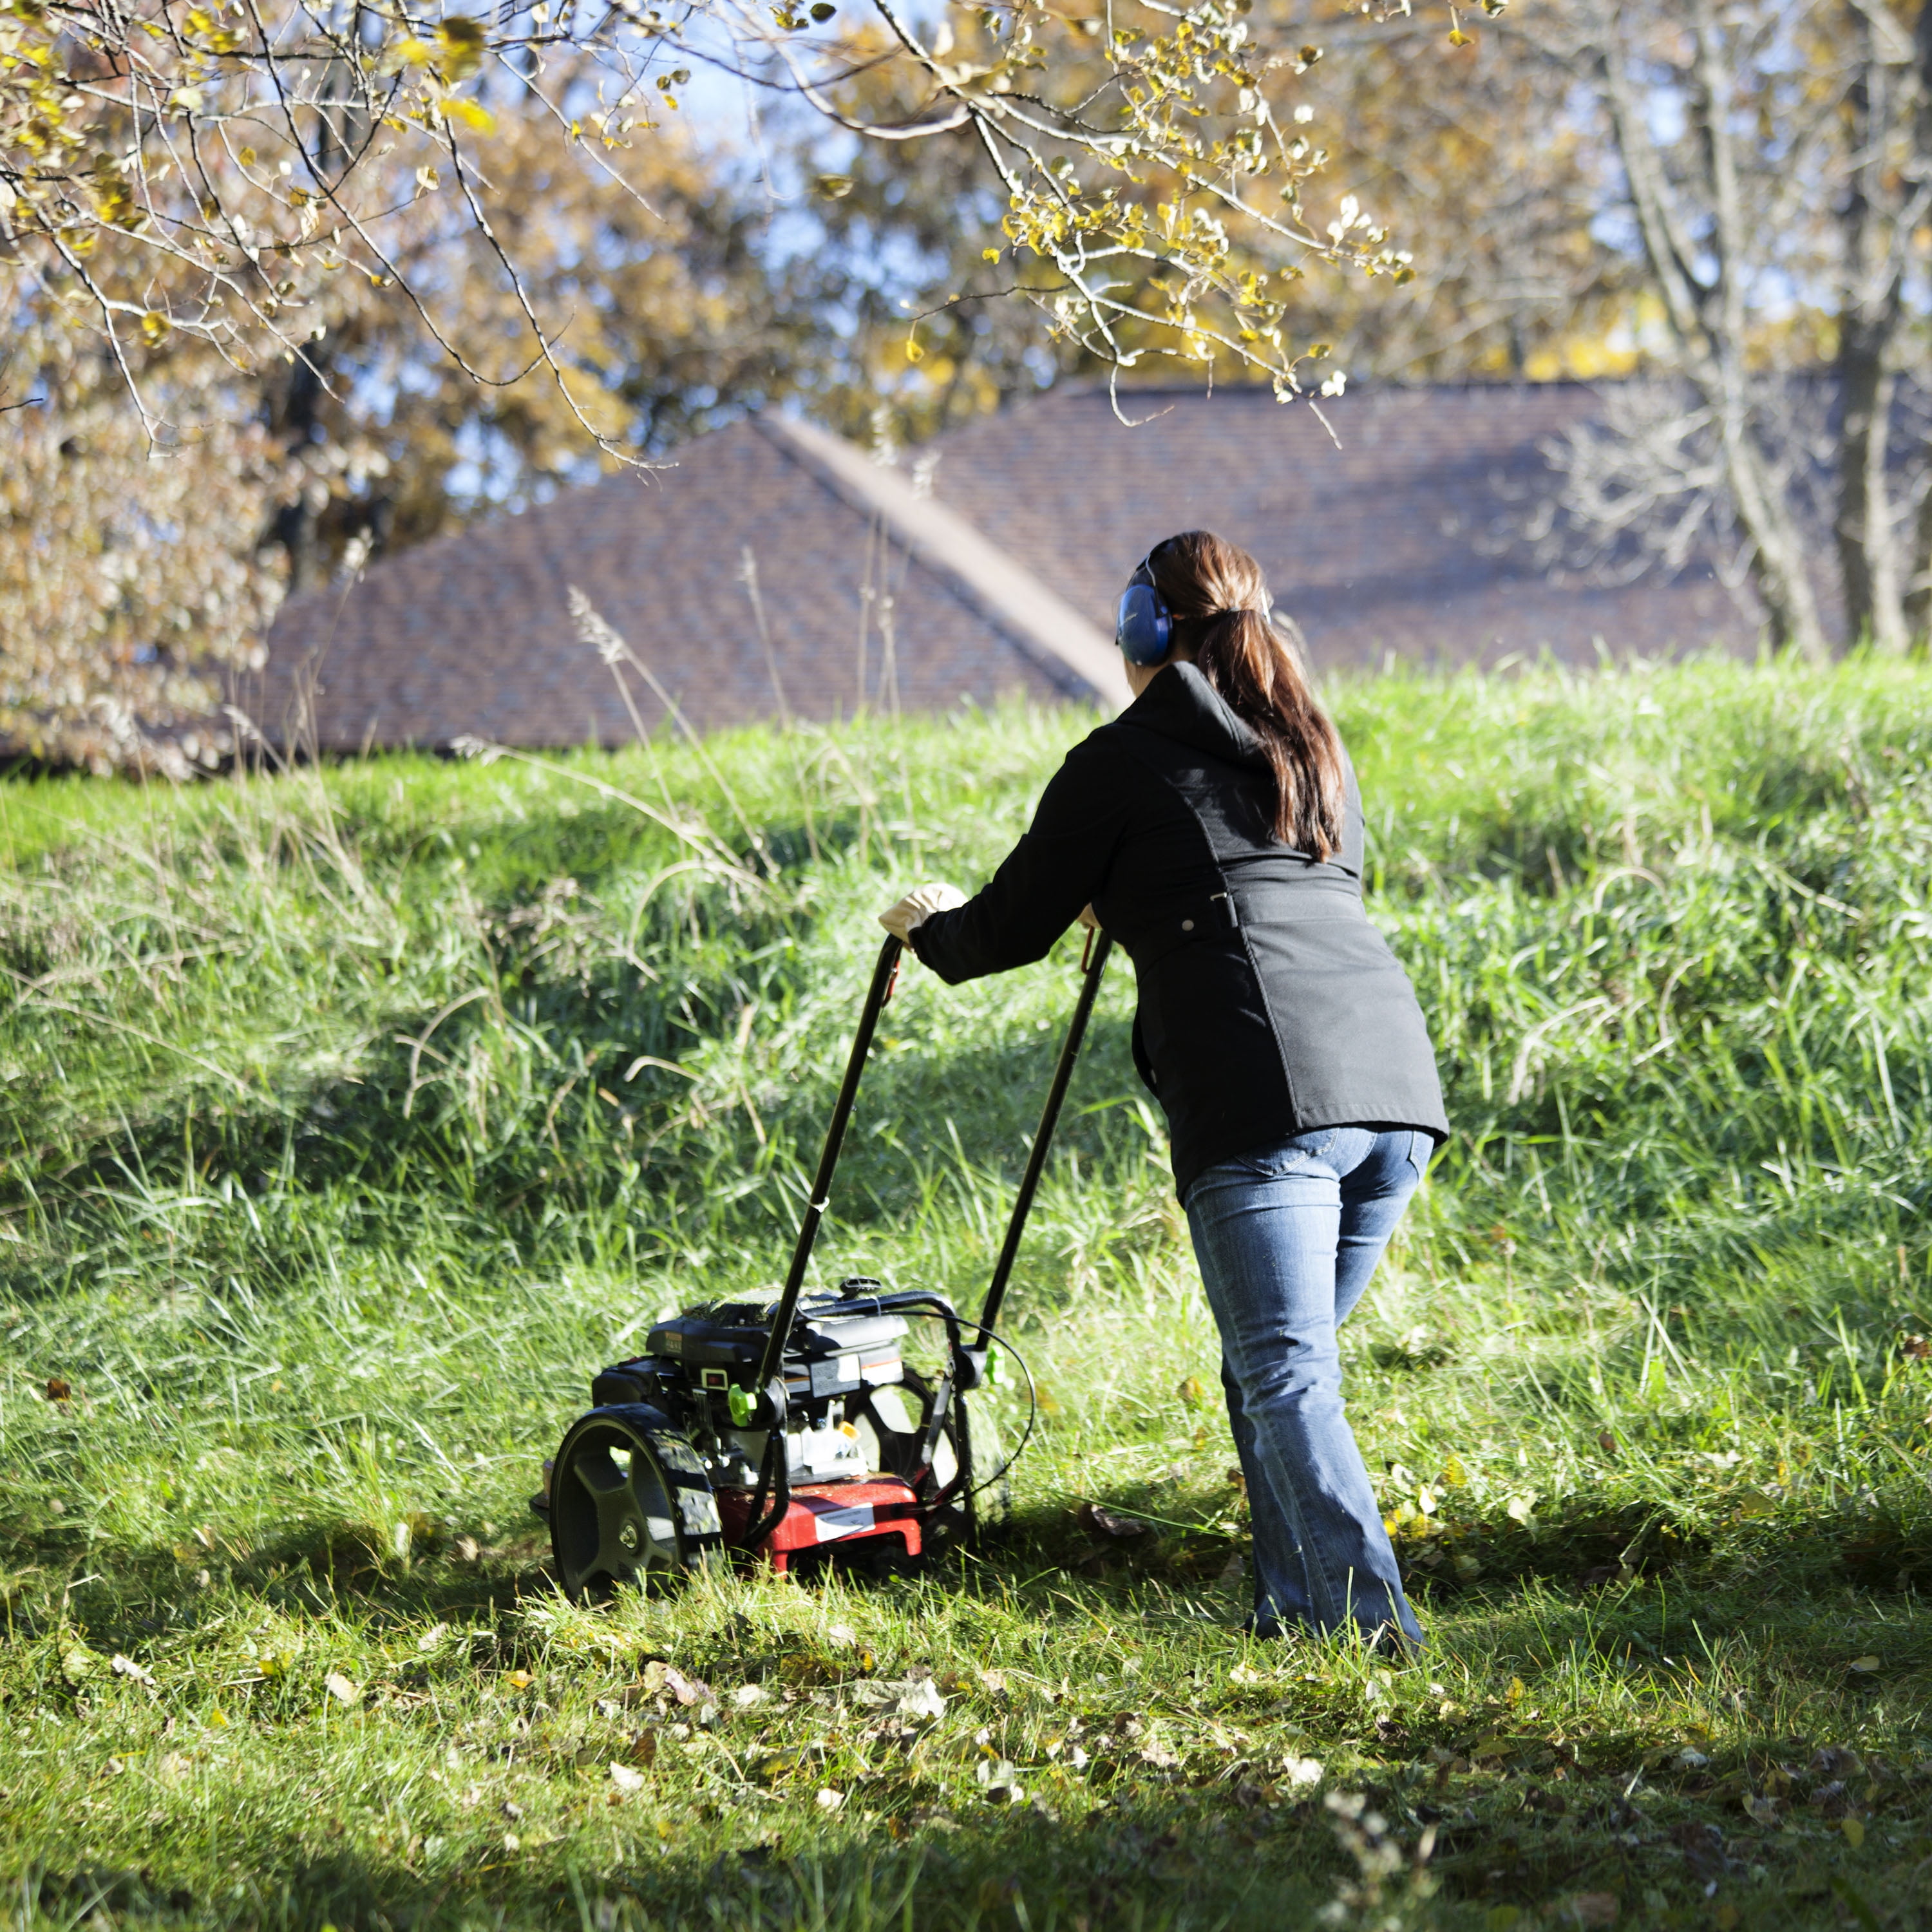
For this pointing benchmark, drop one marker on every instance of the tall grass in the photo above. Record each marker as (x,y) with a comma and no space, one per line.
(353,1117)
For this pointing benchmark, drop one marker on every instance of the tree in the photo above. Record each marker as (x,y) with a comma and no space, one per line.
(663,314)
(1775,159)
(263,147)
(125,598)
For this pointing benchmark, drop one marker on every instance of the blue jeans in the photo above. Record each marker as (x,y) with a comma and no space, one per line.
(1287,1236)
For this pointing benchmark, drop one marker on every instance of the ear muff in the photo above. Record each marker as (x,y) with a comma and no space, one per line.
(1143,625)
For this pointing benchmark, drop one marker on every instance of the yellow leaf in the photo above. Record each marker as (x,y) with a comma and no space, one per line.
(1854,1830)
(1864,1664)
(471,116)
(1193,1391)
(1454,1476)
(154,325)
(1514,1693)
(462,46)
(989,254)
(247,158)
(339,1687)
(519,1680)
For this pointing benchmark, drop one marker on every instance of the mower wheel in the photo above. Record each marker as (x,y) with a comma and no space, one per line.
(630,1503)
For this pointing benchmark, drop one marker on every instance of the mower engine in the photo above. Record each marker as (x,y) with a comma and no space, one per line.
(670,1468)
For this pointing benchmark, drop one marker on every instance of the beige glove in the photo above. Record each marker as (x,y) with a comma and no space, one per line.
(917,906)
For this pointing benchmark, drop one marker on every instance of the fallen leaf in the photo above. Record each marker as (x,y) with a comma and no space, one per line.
(658,1675)
(748,1694)
(1192,1390)
(1915,1347)
(126,1666)
(175,1765)
(433,1637)
(829,1800)
(1301,1772)
(339,1687)
(511,1843)
(625,1779)
(1854,1830)
(77,1663)
(1864,1665)
(922,1699)
(1108,1522)
(468,1550)
(1001,1780)
(841,1635)
(518,1680)
(1606,1442)
(59,1389)
(1592,1908)
(1761,1809)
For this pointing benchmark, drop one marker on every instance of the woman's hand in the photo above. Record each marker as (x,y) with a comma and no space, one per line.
(1087,919)
(917,906)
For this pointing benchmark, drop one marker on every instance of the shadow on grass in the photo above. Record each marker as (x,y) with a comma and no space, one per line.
(1154,1861)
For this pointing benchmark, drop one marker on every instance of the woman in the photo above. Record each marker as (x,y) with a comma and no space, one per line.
(1215,830)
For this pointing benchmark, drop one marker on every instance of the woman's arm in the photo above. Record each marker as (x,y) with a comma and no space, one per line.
(1058,868)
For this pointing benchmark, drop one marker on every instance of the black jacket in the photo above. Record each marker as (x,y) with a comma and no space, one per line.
(1269,1005)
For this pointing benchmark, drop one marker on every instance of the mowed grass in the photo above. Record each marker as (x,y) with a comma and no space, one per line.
(353,1119)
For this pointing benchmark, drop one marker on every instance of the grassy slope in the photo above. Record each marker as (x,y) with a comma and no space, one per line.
(325,1188)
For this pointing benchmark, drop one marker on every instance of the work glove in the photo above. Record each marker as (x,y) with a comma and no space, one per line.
(917,906)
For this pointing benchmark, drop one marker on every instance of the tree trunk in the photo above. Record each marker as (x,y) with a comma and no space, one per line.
(1868,550)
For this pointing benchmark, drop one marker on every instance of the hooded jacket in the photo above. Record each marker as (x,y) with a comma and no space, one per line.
(1269,1005)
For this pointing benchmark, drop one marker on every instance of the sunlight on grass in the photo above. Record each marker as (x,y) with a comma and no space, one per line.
(354,1118)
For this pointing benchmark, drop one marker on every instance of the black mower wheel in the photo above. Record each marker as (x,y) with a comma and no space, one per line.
(628,1504)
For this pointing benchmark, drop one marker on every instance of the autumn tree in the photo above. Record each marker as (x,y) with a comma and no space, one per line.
(124,596)
(1773,160)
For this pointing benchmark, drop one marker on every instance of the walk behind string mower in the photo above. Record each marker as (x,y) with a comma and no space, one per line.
(795,1429)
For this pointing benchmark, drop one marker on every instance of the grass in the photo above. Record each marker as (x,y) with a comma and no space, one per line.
(351,1119)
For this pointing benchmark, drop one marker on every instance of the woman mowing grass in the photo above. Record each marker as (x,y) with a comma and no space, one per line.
(1215,830)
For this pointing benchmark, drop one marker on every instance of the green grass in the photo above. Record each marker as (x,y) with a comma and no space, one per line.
(350,1119)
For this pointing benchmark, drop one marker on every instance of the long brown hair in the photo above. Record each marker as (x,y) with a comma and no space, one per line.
(1220,600)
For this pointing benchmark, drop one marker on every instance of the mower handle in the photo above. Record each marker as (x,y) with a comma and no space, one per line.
(885,976)
(1092,964)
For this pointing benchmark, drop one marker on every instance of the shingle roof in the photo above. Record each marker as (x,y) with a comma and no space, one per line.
(470,634)
(1409,537)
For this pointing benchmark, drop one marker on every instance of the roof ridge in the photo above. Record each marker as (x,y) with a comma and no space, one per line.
(1041,621)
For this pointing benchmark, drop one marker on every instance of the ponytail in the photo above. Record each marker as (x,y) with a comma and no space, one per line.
(1219,602)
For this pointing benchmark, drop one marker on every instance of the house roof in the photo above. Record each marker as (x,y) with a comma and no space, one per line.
(470,634)
(990,565)
(1412,535)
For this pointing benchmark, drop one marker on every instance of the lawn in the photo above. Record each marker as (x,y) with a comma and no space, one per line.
(352,1118)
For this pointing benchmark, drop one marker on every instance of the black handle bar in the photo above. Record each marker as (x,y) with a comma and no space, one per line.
(885,976)
(1092,966)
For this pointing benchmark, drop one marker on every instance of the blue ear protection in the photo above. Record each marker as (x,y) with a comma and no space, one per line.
(1143,625)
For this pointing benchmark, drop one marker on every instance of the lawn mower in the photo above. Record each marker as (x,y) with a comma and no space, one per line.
(794,1430)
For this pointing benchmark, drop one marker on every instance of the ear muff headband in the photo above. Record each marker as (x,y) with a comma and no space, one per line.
(1143,625)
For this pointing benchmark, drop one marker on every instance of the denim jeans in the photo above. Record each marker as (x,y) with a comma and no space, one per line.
(1287,1236)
